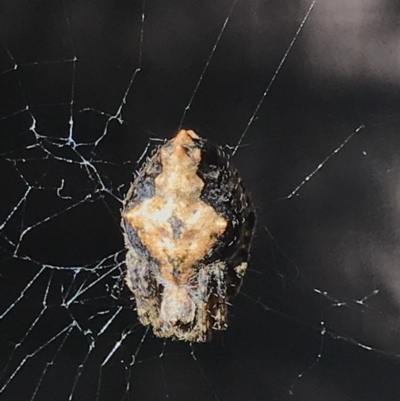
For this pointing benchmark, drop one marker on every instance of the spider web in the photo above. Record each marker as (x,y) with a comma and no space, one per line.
(305,94)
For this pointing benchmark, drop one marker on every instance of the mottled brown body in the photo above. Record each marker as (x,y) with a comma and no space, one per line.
(188,226)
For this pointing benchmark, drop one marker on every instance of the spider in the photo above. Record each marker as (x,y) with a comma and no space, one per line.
(188,224)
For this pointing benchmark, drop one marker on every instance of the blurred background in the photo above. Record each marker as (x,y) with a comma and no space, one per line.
(310,93)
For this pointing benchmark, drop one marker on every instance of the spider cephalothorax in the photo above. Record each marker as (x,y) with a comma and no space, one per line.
(188,226)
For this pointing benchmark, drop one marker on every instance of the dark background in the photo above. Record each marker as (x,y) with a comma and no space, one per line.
(85,85)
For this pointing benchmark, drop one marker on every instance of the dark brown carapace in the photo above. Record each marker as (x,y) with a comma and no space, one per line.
(188,226)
